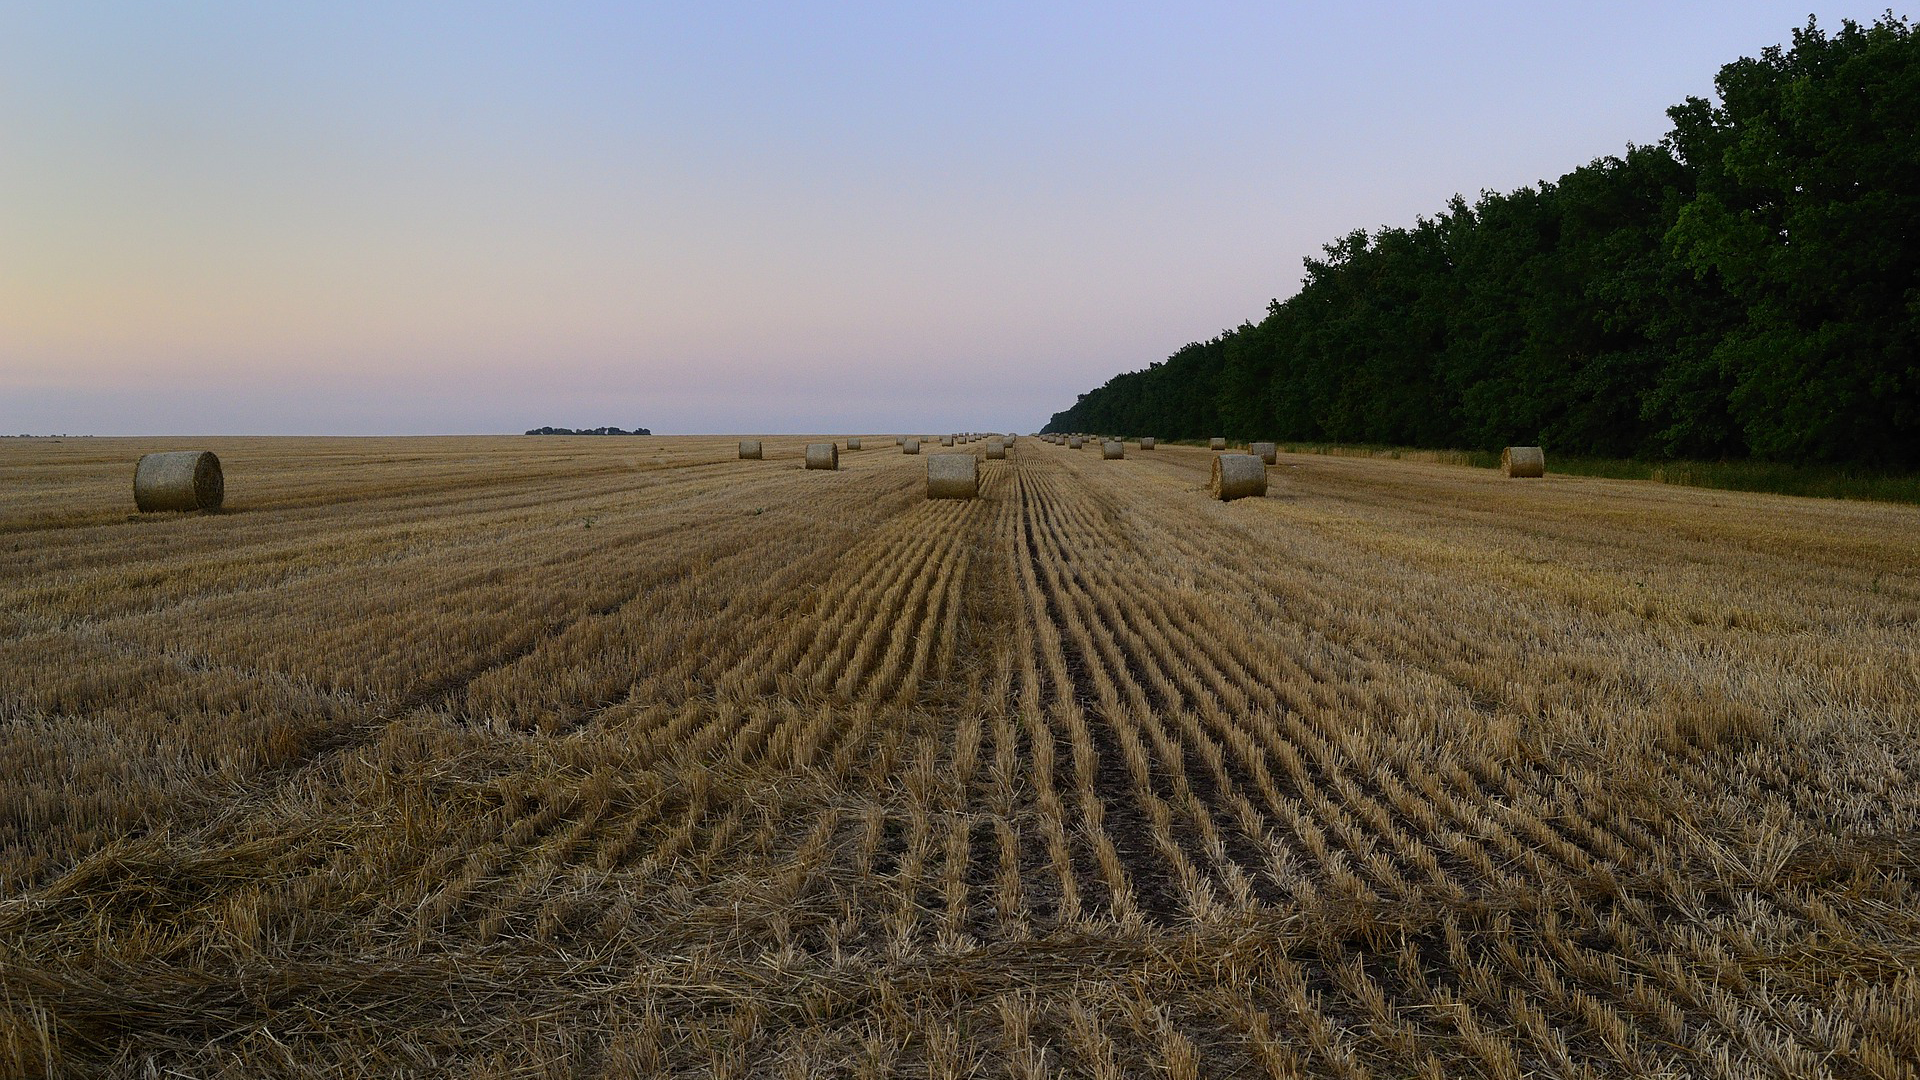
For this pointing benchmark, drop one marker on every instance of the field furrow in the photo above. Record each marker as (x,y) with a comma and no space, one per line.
(629,758)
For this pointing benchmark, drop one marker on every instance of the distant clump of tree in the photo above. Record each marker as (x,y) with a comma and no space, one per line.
(1750,287)
(587,431)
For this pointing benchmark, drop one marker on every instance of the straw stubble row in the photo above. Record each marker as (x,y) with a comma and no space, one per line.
(1086,773)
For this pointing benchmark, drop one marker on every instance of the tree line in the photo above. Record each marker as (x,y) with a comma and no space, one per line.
(1749,287)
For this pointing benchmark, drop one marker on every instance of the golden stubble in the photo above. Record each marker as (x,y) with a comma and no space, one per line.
(614,756)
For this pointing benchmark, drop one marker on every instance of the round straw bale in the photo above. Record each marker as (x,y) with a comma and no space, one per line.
(1146,442)
(749,449)
(1073,442)
(1265,451)
(1237,476)
(946,440)
(823,455)
(909,446)
(996,449)
(953,476)
(1112,451)
(180,480)
(1216,443)
(1523,461)
(853,444)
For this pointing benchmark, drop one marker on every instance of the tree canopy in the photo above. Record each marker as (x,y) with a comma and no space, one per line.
(1750,286)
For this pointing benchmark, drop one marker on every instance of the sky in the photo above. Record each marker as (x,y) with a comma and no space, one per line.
(425,218)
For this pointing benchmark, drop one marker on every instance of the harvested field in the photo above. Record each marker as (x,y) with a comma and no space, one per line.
(551,756)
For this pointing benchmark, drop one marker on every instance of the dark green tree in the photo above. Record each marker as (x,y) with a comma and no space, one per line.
(1808,213)
(1749,286)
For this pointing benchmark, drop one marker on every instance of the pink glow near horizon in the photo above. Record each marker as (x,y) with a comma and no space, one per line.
(371,219)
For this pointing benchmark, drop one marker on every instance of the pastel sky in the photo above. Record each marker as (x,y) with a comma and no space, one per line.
(398,217)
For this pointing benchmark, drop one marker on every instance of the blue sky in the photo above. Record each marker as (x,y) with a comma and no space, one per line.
(418,218)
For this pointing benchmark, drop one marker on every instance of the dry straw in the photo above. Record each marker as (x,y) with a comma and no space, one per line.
(1113,451)
(1216,443)
(996,448)
(952,476)
(1523,461)
(1146,442)
(909,446)
(1074,442)
(1265,451)
(853,444)
(1238,476)
(946,440)
(749,449)
(823,455)
(180,480)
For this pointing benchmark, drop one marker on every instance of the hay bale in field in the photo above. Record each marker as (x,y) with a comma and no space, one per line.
(823,455)
(1216,444)
(1265,451)
(1238,476)
(996,449)
(1073,442)
(853,444)
(953,476)
(749,449)
(1112,451)
(178,480)
(909,446)
(1523,461)
(1146,442)
(946,440)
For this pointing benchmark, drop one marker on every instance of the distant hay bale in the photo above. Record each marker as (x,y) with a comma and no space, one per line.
(1074,442)
(996,449)
(1265,451)
(953,476)
(1238,476)
(1112,451)
(946,440)
(909,446)
(1523,461)
(853,444)
(823,455)
(749,449)
(1146,442)
(180,480)
(1216,444)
